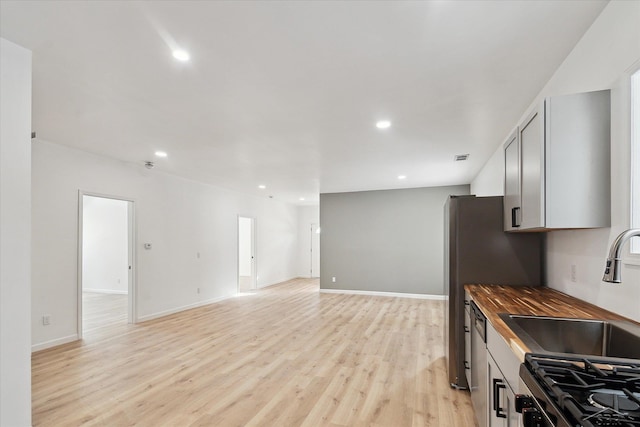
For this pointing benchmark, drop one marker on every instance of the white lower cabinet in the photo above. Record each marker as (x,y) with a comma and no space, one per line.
(496,371)
(503,381)
(501,398)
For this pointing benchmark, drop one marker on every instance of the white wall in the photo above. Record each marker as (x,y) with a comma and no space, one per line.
(105,245)
(180,218)
(307,215)
(489,182)
(15,233)
(599,61)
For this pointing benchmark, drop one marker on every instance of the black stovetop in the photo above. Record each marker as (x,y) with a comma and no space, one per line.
(589,392)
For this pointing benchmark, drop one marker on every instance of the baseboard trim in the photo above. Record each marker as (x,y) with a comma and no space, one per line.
(105,291)
(183,308)
(54,343)
(382,294)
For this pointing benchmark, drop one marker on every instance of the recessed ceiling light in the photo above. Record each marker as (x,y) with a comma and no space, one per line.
(302,199)
(181,55)
(262,187)
(161,154)
(402,176)
(383,124)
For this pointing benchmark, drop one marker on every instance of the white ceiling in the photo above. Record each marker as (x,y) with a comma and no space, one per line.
(286,94)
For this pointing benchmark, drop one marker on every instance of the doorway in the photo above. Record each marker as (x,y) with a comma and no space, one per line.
(247,276)
(105,265)
(315,251)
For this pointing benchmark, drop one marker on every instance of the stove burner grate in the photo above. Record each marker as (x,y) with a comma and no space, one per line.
(613,401)
(590,392)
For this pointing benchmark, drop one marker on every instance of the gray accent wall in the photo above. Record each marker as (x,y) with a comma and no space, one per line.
(384,241)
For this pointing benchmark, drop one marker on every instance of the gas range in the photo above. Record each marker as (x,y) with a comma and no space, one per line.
(568,391)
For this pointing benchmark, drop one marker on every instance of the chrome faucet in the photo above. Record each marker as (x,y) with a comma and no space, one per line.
(612,270)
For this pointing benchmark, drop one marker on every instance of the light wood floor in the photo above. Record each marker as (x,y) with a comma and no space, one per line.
(284,356)
(103,310)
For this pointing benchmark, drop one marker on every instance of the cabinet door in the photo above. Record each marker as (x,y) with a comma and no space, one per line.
(512,208)
(532,170)
(497,396)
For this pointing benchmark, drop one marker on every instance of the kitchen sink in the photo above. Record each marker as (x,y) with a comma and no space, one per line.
(576,336)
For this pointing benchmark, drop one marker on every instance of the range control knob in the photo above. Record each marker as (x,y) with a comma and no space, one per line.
(531,417)
(523,401)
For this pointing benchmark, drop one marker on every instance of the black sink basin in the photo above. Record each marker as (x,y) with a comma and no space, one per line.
(576,336)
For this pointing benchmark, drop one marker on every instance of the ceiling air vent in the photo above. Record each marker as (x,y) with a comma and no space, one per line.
(461,157)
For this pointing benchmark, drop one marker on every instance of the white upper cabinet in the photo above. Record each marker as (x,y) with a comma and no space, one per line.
(512,199)
(557,165)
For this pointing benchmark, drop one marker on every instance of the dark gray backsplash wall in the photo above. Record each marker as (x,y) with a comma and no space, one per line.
(384,241)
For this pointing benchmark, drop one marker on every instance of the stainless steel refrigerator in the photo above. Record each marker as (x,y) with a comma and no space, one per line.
(477,250)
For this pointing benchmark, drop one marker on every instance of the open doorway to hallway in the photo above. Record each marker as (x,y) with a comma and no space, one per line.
(106,262)
(247,278)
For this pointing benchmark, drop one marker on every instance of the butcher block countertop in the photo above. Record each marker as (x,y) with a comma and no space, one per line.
(536,301)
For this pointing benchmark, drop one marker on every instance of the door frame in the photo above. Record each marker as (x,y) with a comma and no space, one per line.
(254,252)
(132,312)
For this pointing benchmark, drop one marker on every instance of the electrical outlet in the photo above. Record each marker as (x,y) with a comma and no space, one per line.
(573,273)
(333,279)
(46,320)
